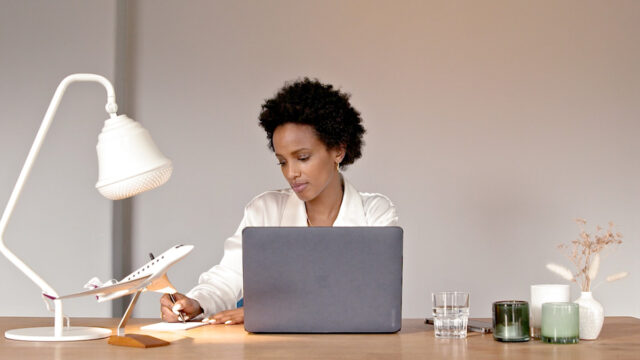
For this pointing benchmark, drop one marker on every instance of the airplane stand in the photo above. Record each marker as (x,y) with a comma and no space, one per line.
(134,340)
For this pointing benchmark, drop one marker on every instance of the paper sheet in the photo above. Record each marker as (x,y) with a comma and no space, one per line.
(165,326)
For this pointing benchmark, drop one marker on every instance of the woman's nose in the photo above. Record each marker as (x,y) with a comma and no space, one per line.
(293,172)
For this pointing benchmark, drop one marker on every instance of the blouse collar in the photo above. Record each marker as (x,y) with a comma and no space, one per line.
(351,211)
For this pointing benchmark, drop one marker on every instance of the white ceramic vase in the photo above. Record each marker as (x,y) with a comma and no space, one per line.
(591,316)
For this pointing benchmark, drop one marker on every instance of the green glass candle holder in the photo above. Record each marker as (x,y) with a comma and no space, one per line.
(511,321)
(560,323)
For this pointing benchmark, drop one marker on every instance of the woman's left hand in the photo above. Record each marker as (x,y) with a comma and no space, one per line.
(228,317)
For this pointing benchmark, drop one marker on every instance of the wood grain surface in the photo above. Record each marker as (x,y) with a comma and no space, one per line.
(620,339)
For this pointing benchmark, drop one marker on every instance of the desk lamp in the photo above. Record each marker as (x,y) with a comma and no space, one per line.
(128,163)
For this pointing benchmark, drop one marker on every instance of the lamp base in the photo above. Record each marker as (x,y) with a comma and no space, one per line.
(137,340)
(72,333)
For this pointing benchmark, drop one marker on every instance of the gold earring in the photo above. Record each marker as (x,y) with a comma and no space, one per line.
(337,166)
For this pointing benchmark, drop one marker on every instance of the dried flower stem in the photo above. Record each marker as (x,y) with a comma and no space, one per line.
(584,251)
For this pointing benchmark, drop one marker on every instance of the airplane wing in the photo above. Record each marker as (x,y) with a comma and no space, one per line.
(105,290)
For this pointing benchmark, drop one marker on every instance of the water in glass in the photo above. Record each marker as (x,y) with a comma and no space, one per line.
(450,314)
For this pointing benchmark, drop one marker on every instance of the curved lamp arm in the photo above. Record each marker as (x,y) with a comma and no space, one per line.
(111,108)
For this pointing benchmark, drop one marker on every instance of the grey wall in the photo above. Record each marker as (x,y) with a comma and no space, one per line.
(491,125)
(61,226)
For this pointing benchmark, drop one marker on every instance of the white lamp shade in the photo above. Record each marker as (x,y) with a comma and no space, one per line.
(129,162)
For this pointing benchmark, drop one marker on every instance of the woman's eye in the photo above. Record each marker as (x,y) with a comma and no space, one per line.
(304,158)
(281,163)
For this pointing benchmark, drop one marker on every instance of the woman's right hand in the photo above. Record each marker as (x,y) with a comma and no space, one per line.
(189,307)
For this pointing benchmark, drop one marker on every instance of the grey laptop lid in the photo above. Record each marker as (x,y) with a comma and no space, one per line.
(322,279)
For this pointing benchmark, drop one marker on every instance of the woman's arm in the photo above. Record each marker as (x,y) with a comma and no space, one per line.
(221,287)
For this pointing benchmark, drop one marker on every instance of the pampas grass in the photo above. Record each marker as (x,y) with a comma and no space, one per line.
(612,278)
(594,267)
(618,276)
(561,270)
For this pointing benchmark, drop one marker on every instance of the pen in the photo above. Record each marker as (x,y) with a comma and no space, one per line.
(180,316)
(173,299)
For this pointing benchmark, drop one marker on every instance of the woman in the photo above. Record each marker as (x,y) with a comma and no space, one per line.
(314,132)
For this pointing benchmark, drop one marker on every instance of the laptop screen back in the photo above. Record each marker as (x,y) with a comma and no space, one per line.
(322,279)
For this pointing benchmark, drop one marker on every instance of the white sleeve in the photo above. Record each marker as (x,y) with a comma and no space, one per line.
(380,211)
(220,288)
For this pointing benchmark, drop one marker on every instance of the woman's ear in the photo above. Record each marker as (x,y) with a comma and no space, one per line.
(340,153)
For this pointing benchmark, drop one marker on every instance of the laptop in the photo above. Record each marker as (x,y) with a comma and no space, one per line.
(322,279)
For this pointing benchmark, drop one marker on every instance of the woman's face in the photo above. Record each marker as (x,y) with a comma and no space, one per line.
(304,159)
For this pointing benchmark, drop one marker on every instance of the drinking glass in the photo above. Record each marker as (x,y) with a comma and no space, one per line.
(450,314)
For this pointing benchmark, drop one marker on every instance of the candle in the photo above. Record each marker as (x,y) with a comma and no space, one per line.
(541,294)
(560,323)
(511,321)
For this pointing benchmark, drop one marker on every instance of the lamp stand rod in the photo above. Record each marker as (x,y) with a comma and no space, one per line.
(111,109)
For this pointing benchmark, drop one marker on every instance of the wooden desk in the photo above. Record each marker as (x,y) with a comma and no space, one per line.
(620,339)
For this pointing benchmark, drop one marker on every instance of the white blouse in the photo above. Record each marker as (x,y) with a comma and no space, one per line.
(220,288)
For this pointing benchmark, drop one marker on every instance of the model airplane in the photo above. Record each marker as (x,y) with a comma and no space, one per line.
(152,276)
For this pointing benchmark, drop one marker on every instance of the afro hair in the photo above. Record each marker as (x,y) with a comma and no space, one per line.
(326,109)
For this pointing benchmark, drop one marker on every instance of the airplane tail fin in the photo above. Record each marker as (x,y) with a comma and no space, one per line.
(94,283)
